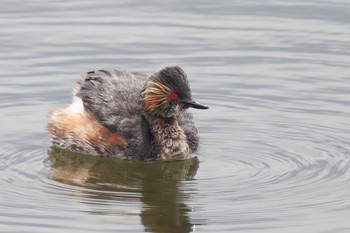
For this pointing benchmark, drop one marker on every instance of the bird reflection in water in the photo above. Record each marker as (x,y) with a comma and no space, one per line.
(155,184)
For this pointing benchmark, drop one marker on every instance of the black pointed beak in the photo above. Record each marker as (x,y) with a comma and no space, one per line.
(194,104)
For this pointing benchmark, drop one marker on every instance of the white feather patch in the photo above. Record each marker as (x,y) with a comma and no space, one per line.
(76,105)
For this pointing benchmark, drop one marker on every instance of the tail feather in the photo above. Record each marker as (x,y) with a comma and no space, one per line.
(79,131)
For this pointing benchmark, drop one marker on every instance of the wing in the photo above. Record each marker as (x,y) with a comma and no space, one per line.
(113,98)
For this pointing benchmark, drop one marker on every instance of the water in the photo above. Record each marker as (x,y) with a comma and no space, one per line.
(274,153)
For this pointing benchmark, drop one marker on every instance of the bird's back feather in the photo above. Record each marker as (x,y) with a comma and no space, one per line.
(112,100)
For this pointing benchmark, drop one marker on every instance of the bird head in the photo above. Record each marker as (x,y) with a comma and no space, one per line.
(167,93)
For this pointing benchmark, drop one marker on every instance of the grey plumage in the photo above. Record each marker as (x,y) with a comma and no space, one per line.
(117,101)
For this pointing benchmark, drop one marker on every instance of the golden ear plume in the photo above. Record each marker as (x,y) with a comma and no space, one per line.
(156,95)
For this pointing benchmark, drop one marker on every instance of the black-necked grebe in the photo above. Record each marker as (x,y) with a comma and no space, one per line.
(129,115)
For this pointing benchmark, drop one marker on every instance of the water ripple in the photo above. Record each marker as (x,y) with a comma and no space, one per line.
(37,182)
(274,153)
(289,164)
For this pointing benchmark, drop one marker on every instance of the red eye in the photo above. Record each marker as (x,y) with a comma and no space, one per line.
(174,96)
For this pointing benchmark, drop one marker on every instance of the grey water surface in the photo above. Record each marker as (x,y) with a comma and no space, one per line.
(274,153)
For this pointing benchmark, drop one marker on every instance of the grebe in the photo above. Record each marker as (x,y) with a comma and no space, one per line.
(129,115)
